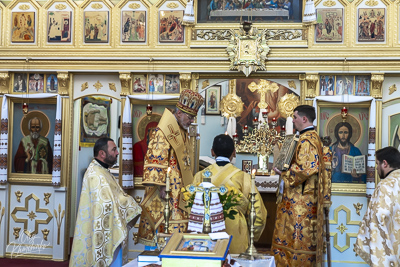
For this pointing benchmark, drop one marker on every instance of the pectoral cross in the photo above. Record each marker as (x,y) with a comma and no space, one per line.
(173,135)
(262,88)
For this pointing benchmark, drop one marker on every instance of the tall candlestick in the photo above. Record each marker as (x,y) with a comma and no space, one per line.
(253,181)
(167,180)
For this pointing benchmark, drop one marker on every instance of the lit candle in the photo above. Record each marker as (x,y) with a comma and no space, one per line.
(167,180)
(253,181)
(226,132)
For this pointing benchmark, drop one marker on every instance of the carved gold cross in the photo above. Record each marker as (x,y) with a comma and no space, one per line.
(262,88)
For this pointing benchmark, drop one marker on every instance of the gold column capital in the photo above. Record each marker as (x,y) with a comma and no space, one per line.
(4,82)
(185,78)
(63,82)
(311,81)
(125,78)
(376,84)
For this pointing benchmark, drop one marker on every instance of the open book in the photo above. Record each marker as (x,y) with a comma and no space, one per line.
(359,163)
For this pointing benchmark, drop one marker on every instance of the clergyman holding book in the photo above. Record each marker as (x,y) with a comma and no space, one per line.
(344,149)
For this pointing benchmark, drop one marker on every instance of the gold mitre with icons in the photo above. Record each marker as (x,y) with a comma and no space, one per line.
(190,102)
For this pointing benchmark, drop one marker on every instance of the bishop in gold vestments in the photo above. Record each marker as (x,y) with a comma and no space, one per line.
(298,233)
(104,212)
(168,147)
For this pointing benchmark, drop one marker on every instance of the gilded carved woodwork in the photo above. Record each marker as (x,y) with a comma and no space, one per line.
(371,3)
(16,232)
(311,80)
(392,89)
(112,87)
(29,234)
(37,210)
(211,35)
(358,207)
(4,82)
(24,7)
(2,211)
(45,233)
(138,199)
(134,5)
(97,85)
(172,5)
(32,215)
(377,81)
(47,198)
(18,194)
(63,82)
(226,35)
(248,50)
(285,35)
(262,88)
(125,79)
(135,238)
(205,83)
(329,3)
(96,6)
(60,6)
(59,217)
(287,104)
(84,86)
(292,84)
(342,228)
(185,79)
(231,104)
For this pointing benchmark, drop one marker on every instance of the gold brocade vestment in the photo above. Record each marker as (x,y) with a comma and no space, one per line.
(378,240)
(238,228)
(101,225)
(299,227)
(168,147)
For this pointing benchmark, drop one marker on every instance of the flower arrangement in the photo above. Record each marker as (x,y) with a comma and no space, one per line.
(229,197)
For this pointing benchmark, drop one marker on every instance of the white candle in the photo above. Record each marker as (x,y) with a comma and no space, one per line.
(167,180)
(253,181)
(289,125)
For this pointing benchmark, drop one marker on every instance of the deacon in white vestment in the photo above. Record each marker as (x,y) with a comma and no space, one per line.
(105,210)
(378,240)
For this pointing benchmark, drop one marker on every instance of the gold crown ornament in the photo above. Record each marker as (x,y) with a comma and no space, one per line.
(190,102)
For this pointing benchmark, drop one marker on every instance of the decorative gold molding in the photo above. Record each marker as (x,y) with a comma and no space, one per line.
(63,82)
(329,3)
(335,241)
(348,216)
(138,199)
(24,7)
(29,234)
(292,84)
(37,209)
(47,198)
(231,104)
(112,87)
(97,6)
(358,207)
(60,6)
(377,81)
(311,81)
(125,78)
(172,5)
(211,35)
(185,79)
(392,89)
(16,232)
(134,5)
(59,218)
(205,83)
(286,35)
(45,233)
(371,3)
(4,81)
(18,194)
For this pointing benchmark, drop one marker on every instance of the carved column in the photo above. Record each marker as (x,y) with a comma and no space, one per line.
(376,82)
(311,81)
(63,82)
(185,79)
(125,78)
(4,82)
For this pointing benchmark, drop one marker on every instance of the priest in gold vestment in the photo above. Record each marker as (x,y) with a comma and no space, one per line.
(298,233)
(378,240)
(104,212)
(224,173)
(168,147)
